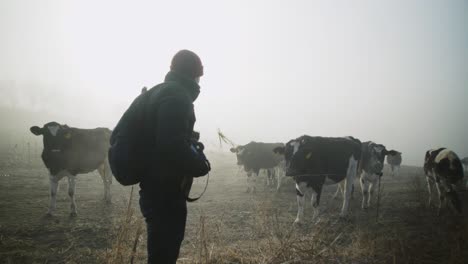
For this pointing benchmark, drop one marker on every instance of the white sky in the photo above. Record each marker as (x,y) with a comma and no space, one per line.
(395,72)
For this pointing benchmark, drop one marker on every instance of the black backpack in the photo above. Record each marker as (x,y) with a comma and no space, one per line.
(129,149)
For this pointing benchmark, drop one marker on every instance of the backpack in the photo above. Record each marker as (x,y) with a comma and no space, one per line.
(128,152)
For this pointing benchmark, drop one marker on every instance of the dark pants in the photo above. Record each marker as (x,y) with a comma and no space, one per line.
(165,223)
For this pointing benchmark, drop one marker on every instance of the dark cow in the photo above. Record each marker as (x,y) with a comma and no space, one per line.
(395,162)
(70,151)
(443,167)
(370,168)
(316,161)
(256,156)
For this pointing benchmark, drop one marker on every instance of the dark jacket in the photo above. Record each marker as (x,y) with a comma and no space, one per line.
(169,120)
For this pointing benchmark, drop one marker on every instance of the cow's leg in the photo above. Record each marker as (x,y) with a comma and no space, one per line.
(374,180)
(106,175)
(339,189)
(54,179)
(315,202)
(268,177)
(249,181)
(300,195)
(272,176)
(279,177)
(430,183)
(350,175)
(441,196)
(364,189)
(71,193)
(254,180)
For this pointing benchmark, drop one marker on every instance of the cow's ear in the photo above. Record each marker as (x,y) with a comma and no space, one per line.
(279,150)
(36,130)
(233,150)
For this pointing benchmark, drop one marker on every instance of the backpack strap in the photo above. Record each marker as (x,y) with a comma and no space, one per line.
(191,200)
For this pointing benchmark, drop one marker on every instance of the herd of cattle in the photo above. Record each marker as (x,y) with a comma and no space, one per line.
(311,161)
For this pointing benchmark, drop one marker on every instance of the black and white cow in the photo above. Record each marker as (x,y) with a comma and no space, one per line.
(370,169)
(316,161)
(256,156)
(395,162)
(444,169)
(70,151)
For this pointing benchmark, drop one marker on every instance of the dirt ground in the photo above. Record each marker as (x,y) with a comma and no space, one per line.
(228,225)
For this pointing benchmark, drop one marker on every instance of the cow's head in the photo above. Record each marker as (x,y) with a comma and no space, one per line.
(374,156)
(56,137)
(294,156)
(394,159)
(241,154)
(427,165)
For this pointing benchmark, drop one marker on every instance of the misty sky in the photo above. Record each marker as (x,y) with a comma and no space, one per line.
(395,72)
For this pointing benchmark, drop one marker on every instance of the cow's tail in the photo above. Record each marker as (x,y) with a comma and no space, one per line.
(358,155)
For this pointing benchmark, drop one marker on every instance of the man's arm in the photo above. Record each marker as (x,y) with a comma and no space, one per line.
(171,140)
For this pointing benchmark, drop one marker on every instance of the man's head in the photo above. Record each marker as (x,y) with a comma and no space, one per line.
(188,64)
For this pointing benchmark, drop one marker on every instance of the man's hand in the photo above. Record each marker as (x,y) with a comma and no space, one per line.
(204,165)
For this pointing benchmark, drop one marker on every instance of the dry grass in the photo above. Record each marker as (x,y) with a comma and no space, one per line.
(125,245)
(229,226)
(400,240)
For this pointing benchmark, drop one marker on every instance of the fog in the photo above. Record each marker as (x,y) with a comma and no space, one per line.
(395,72)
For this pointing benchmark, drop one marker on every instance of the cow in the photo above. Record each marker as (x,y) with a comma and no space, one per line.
(316,161)
(370,169)
(395,162)
(256,156)
(444,169)
(69,151)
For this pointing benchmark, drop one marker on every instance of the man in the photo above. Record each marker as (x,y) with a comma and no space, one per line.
(174,156)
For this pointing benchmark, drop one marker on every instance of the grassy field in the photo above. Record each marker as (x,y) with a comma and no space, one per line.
(227,225)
